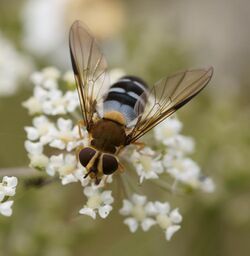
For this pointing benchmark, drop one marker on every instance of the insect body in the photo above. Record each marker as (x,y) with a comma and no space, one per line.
(118,115)
(109,133)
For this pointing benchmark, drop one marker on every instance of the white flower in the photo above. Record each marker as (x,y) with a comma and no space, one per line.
(68,169)
(48,98)
(146,163)
(166,219)
(46,23)
(7,189)
(57,103)
(14,67)
(43,29)
(180,145)
(206,184)
(35,152)
(5,208)
(97,202)
(167,129)
(183,169)
(35,103)
(33,148)
(69,77)
(137,208)
(42,130)
(47,77)
(8,186)
(66,136)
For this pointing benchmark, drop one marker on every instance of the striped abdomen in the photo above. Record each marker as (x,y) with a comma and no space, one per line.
(123,95)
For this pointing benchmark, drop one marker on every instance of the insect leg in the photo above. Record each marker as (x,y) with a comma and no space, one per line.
(80,124)
(121,168)
(139,145)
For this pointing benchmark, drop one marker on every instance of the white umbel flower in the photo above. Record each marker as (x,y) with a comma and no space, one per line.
(58,103)
(147,164)
(184,170)
(147,214)
(48,98)
(14,67)
(167,129)
(8,186)
(180,145)
(42,21)
(5,208)
(42,130)
(98,202)
(7,189)
(34,104)
(47,78)
(65,136)
(166,219)
(137,209)
(68,169)
(56,132)
(207,184)
(35,153)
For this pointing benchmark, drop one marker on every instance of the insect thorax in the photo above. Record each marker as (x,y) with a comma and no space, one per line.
(107,135)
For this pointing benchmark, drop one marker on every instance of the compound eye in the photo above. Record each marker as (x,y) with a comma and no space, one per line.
(109,164)
(86,155)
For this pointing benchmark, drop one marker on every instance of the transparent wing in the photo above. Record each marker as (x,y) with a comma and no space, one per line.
(167,96)
(90,70)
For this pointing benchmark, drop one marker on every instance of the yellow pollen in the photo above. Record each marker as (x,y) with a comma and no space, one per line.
(146,162)
(163,221)
(94,201)
(138,212)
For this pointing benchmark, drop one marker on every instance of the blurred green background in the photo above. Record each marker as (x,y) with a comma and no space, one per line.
(149,39)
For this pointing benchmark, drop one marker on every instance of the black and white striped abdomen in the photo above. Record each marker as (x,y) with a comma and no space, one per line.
(123,95)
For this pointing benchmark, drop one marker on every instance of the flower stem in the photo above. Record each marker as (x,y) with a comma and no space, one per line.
(19,172)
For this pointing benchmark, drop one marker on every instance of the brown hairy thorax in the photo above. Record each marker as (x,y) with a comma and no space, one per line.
(107,135)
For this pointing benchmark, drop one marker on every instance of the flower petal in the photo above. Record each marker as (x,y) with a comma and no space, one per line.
(90,191)
(162,208)
(33,147)
(88,211)
(126,208)
(5,208)
(32,133)
(132,224)
(147,224)
(175,216)
(107,197)
(104,211)
(138,199)
(64,124)
(171,230)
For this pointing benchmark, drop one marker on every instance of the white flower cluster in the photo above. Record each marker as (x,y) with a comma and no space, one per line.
(139,211)
(147,164)
(14,67)
(171,158)
(97,202)
(51,129)
(48,98)
(7,189)
(43,25)
(54,138)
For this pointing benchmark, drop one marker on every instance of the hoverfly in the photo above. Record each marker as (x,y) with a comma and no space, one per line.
(129,108)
